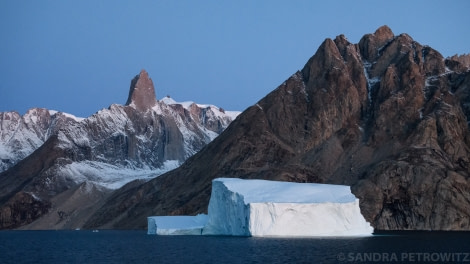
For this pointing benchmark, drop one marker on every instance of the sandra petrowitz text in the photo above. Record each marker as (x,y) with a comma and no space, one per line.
(381,257)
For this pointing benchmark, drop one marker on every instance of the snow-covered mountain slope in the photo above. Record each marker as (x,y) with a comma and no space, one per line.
(120,144)
(21,135)
(133,136)
(55,152)
(219,112)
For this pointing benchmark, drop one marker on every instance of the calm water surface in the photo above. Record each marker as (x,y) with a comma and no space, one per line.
(111,246)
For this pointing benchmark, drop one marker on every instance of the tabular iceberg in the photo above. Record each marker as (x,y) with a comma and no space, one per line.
(268,208)
(176,225)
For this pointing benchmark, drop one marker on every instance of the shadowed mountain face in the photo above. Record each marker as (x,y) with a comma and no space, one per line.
(59,169)
(387,116)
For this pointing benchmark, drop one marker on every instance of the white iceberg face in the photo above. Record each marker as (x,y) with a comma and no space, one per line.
(176,225)
(268,208)
(228,212)
(309,219)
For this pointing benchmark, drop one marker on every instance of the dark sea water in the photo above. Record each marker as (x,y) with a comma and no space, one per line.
(111,246)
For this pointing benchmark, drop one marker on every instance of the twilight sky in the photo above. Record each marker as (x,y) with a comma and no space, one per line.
(80,56)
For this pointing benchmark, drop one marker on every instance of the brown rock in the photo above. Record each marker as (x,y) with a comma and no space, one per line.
(459,63)
(370,45)
(21,209)
(383,116)
(142,93)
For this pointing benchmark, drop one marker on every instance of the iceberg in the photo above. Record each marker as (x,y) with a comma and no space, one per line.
(263,208)
(176,225)
(271,208)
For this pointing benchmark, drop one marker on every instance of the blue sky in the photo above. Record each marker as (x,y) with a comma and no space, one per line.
(80,56)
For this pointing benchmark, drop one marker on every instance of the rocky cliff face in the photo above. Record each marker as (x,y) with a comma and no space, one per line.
(387,116)
(51,155)
(21,135)
(141,93)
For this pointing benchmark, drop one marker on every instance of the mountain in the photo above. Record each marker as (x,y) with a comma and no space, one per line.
(21,135)
(54,160)
(387,116)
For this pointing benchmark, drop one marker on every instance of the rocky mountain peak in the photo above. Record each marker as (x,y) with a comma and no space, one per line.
(142,93)
(383,34)
(459,63)
(370,44)
(50,159)
(387,116)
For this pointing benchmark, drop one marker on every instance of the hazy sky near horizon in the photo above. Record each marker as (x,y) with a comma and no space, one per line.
(80,56)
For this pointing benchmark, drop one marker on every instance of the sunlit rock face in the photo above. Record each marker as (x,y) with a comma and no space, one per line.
(142,93)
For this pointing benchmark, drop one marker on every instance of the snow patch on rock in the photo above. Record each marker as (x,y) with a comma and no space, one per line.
(217,111)
(112,176)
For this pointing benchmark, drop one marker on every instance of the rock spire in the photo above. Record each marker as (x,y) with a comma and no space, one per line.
(142,93)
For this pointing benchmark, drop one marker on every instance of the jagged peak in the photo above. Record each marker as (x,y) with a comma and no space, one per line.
(459,63)
(384,33)
(370,43)
(331,50)
(341,39)
(142,92)
(327,56)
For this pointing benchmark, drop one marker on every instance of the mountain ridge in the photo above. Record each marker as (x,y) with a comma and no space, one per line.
(114,146)
(387,116)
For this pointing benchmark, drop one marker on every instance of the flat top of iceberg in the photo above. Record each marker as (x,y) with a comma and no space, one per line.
(258,191)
